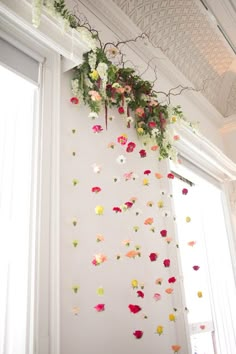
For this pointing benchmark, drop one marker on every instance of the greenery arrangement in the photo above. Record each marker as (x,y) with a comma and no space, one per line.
(102,83)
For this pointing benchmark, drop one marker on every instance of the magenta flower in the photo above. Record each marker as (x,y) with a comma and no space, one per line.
(172,280)
(100,307)
(147,172)
(117,209)
(196,267)
(153,257)
(163,233)
(97,128)
(184,191)
(166,263)
(138,334)
(140,294)
(142,153)
(170,176)
(130,147)
(74,100)
(157,297)
(134,308)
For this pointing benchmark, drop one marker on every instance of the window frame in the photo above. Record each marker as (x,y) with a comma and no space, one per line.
(43,317)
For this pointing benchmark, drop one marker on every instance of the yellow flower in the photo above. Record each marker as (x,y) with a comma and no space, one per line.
(159,330)
(140,131)
(173,119)
(100,291)
(136,228)
(75,243)
(134,284)
(188,219)
(75,288)
(99,210)
(145,182)
(199,294)
(160,204)
(94,75)
(172,317)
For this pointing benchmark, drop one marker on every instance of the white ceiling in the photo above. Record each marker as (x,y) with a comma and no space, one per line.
(189,35)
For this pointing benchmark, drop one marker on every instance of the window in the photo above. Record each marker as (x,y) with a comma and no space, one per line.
(210,291)
(18,140)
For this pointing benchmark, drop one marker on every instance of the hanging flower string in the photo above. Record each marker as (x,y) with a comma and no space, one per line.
(100,83)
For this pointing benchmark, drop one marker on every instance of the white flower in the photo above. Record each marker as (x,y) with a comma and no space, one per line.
(138,212)
(102,70)
(116,85)
(165,213)
(129,119)
(36,12)
(116,179)
(88,82)
(111,118)
(92,58)
(155,132)
(121,159)
(93,115)
(87,37)
(75,87)
(96,168)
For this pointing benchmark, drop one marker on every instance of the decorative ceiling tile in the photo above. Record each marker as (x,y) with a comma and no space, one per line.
(188,39)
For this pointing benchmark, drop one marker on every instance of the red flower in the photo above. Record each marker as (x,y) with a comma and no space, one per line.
(147,172)
(100,307)
(74,100)
(153,257)
(96,189)
(142,153)
(172,280)
(130,147)
(140,294)
(117,209)
(163,233)
(152,124)
(196,267)
(138,334)
(97,128)
(121,110)
(184,191)
(170,176)
(166,262)
(128,204)
(134,308)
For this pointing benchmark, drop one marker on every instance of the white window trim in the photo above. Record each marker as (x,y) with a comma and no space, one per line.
(44,325)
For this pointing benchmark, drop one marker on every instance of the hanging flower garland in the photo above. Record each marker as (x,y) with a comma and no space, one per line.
(100,83)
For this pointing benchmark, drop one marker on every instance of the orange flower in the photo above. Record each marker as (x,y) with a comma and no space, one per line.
(169,290)
(158,175)
(159,281)
(133,254)
(154,147)
(175,348)
(192,243)
(148,221)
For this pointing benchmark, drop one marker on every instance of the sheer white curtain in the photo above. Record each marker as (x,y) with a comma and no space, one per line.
(16,145)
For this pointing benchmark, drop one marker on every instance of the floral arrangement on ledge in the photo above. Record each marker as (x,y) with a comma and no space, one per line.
(103,81)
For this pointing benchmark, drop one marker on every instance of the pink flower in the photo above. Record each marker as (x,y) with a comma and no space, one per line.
(96,189)
(74,100)
(140,112)
(172,280)
(121,110)
(157,297)
(128,176)
(117,209)
(140,294)
(95,96)
(142,153)
(100,307)
(196,267)
(147,172)
(130,147)
(152,124)
(138,334)
(166,263)
(184,191)
(97,128)
(153,257)
(134,308)
(170,176)
(122,139)
(163,233)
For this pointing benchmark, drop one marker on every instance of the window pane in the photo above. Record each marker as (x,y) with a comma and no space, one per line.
(16,146)
(204,243)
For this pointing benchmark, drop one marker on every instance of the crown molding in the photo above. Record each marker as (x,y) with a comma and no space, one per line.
(198,150)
